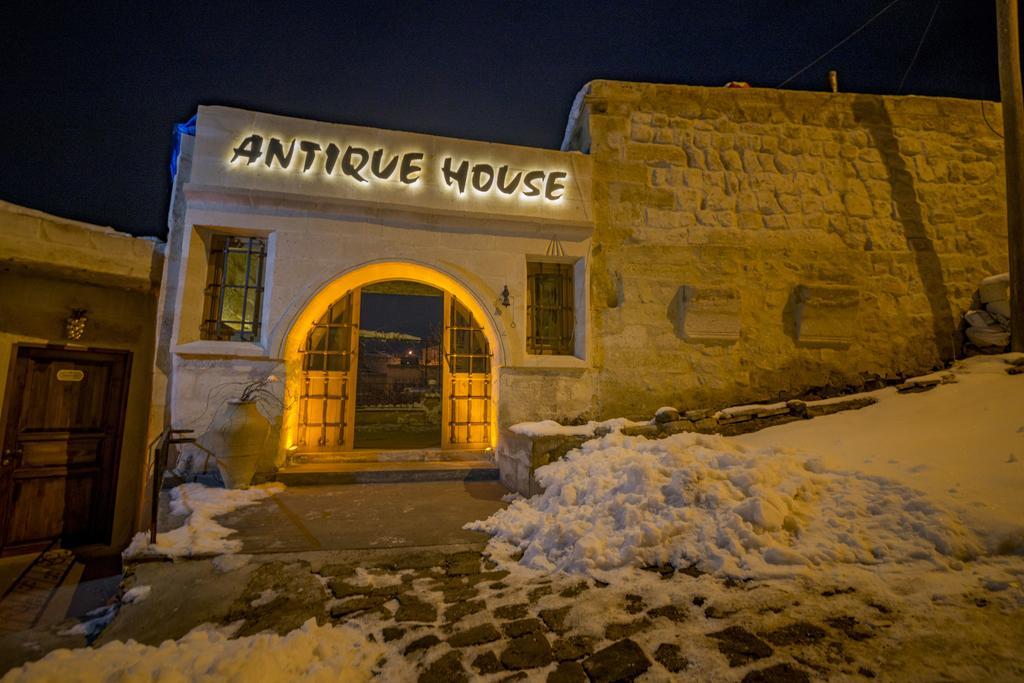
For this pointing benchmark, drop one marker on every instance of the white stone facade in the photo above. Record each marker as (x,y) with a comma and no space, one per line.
(328,234)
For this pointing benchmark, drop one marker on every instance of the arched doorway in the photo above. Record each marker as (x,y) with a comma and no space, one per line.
(324,378)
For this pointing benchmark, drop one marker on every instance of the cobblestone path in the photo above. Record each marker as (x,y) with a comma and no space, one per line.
(457,616)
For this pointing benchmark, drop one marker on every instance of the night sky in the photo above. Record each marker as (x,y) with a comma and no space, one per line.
(91,90)
(418,315)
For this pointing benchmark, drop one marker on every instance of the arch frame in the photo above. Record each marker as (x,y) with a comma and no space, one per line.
(361,275)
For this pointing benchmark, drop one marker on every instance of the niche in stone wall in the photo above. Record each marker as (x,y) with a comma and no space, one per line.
(825,315)
(707,314)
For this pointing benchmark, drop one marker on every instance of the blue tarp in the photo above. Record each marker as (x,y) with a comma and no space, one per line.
(187,128)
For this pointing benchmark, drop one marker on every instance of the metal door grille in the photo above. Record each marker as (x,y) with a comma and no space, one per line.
(468,355)
(326,362)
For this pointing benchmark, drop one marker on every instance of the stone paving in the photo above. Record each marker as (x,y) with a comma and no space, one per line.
(457,616)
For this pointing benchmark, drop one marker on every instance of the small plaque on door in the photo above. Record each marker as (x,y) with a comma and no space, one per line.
(70,375)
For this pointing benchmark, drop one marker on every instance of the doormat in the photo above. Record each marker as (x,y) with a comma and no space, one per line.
(24,602)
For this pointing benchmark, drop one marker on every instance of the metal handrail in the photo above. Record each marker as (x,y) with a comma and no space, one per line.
(162,447)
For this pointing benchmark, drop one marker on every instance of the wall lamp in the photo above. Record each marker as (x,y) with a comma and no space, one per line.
(504,300)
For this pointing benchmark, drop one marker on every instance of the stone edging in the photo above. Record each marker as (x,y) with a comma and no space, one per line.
(518,456)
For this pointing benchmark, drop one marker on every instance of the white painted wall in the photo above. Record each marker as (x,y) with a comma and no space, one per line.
(483,243)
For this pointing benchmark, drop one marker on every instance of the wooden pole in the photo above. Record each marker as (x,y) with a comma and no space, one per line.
(1013,129)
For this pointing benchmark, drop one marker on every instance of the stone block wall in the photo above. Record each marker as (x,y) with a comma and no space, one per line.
(518,457)
(751,243)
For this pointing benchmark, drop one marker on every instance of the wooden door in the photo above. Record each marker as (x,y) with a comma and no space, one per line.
(466,379)
(330,362)
(64,418)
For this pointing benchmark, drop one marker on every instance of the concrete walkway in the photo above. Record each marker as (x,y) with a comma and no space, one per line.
(303,527)
(362,516)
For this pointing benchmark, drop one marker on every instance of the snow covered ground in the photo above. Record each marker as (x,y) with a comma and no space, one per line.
(310,653)
(960,444)
(932,476)
(200,535)
(552,428)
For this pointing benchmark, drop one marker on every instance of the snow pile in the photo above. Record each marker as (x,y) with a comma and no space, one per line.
(98,619)
(988,327)
(230,562)
(200,534)
(375,579)
(751,408)
(94,623)
(552,428)
(310,653)
(136,594)
(705,500)
(266,597)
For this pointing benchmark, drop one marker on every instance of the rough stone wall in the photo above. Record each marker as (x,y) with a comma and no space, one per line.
(69,249)
(750,244)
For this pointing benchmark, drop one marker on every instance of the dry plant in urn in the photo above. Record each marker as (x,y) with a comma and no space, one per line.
(240,434)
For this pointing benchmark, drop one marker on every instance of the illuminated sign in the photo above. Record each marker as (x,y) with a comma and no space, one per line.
(367,166)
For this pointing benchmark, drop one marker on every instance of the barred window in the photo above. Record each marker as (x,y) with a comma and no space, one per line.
(234,289)
(550,314)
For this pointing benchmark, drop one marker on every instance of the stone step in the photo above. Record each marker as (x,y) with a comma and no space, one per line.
(324,473)
(379,455)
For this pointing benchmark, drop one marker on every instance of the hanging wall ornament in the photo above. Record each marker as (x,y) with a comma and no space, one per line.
(74,326)
(555,248)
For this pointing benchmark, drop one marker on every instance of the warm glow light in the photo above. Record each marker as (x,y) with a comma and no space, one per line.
(361,165)
(362,276)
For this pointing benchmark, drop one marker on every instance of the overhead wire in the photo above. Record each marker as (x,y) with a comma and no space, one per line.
(920,43)
(841,42)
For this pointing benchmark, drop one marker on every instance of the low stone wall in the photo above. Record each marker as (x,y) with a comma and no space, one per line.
(518,456)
